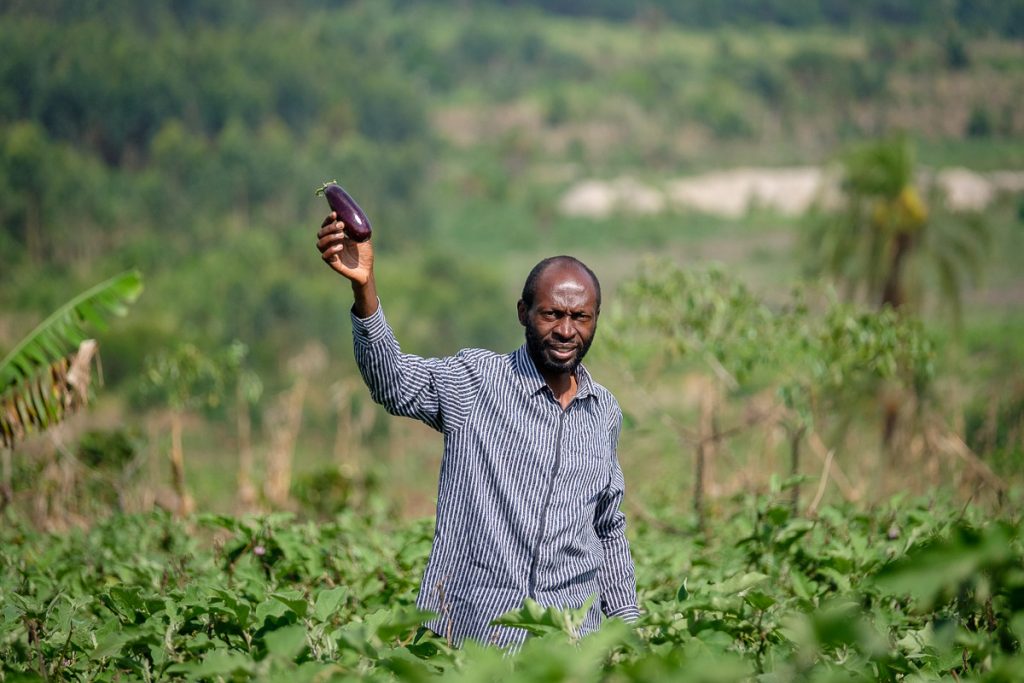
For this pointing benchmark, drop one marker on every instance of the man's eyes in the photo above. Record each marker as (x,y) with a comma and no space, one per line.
(556,315)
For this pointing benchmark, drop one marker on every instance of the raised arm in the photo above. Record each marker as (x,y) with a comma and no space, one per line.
(437,391)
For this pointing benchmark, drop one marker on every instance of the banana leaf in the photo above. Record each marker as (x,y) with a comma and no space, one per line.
(46,377)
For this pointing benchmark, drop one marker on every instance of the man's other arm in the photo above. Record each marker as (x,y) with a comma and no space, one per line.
(617,576)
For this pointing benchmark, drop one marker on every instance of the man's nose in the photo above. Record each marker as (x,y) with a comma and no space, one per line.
(565,328)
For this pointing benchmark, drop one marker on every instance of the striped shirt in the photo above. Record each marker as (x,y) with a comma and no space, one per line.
(529,493)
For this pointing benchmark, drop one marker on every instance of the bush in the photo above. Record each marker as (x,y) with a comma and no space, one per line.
(722,109)
(324,492)
(109,449)
(980,124)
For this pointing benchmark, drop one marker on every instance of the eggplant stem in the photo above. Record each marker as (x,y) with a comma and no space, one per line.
(323,188)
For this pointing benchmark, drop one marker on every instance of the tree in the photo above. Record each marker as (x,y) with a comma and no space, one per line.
(185,378)
(881,239)
(883,243)
(816,361)
(26,163)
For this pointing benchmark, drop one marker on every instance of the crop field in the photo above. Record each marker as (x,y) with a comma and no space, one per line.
(808,221)
(916,589)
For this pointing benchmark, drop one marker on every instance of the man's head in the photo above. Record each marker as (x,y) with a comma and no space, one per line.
(559,307)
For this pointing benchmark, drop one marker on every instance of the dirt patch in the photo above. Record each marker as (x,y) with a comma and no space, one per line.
(734,192)
(790,191)
(469,125)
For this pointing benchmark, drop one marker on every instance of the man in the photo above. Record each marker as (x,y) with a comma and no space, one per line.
(530,485)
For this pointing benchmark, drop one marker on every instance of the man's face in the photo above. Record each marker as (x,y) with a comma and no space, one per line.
(561,323)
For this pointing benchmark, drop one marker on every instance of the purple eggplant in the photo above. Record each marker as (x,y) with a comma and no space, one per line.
(357,225)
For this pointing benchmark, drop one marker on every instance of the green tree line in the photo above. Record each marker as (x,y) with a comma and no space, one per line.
(1004,18)
(185,139)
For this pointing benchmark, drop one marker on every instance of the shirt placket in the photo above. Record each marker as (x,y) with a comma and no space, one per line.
(545,506)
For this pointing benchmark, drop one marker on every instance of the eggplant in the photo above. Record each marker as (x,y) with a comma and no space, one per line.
(357,225)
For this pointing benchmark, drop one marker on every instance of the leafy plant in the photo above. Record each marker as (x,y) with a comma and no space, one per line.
(186,378)
(45,377)
(907,590)
(812,359)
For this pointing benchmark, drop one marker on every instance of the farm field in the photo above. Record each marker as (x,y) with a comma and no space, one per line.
(808,222)
(914,589)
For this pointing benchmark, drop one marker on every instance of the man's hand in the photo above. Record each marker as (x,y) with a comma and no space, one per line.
(352,259)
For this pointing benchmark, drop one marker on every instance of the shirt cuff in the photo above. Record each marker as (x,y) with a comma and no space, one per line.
(370,328)
(629,613)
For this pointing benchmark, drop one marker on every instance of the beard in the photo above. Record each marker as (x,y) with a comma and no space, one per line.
(539,352)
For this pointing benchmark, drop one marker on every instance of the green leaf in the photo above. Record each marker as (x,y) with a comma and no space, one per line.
(58,332)
(222,663)
(34,394)
(294,600)
(938,567)
(802,586)
(1017,626)
(126,600)
(759,600)
(327,602)
(538,620)
(223,521)
(270,608)
(401,621)
(287,642)
(109,644)
(739,583)
(839,624)
(239,609)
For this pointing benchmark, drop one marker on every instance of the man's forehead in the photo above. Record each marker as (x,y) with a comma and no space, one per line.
(570,287)
(566,275)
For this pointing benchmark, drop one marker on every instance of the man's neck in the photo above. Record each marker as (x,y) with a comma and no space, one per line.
(563,386)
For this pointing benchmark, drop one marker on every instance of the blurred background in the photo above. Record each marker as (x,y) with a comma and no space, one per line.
(807,216)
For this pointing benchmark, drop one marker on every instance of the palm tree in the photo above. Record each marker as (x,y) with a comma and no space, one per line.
(881,242)
(46,377)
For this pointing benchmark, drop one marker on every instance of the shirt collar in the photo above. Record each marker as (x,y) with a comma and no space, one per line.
(534,382)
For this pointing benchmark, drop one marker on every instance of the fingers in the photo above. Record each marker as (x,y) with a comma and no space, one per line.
(330,234)
(330,225)
(329,253)
(336,248)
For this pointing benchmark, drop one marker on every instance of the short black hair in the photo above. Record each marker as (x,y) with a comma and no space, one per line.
(530,288)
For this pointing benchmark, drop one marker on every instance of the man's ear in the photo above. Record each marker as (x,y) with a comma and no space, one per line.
(521,307)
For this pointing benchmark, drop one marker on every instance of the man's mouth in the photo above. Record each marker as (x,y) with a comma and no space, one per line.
(562,353)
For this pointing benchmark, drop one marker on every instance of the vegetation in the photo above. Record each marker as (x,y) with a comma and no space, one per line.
(36,387)
(823,466)
(907,590)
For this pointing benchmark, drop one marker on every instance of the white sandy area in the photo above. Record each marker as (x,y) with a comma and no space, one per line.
(790,191)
